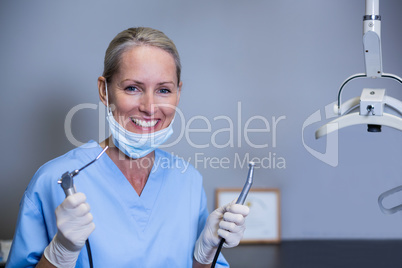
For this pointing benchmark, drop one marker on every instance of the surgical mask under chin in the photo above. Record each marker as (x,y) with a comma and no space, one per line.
(132,144)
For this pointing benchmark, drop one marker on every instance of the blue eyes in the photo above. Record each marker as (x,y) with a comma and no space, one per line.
(164,91)
(133,89)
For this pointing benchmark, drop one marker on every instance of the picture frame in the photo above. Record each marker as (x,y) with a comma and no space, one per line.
(263,224)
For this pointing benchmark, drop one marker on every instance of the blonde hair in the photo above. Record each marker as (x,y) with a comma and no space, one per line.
(140,36)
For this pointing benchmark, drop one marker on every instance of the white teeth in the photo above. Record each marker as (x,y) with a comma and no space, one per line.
(143,123)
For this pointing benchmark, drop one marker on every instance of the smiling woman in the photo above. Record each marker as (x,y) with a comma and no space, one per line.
(131,195)
(144,95)
(144,89)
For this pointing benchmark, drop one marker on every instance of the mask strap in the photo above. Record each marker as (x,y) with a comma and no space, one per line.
(107,97)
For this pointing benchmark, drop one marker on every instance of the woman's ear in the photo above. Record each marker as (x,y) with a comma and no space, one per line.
(102,90)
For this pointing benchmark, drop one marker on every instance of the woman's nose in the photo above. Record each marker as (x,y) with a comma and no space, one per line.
(147,104)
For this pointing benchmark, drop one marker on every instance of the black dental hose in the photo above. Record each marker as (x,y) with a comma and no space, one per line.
(240,200)
(91,265)
(217,252)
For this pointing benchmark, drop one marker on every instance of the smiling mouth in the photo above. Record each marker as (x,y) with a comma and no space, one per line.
(143,123)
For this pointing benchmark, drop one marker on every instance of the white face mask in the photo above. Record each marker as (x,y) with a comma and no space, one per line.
(132,144)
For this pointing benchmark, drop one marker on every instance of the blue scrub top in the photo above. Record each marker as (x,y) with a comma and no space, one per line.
(157,229)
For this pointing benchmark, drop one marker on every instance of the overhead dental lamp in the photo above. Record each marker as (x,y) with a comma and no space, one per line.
(372,102)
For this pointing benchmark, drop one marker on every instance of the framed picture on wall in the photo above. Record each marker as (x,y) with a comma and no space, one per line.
(263,222)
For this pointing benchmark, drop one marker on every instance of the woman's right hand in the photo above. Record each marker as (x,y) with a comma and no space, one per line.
(74,223)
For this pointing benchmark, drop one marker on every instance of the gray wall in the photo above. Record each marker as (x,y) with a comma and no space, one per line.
(282,59)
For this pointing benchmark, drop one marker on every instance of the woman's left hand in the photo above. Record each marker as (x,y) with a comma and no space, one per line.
(226,222)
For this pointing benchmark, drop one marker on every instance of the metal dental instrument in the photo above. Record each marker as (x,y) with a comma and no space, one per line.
(67,182)
(247,185)
(240,200)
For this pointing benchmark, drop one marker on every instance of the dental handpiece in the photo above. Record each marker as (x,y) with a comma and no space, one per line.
(240,200)
(67,182)
(247,185)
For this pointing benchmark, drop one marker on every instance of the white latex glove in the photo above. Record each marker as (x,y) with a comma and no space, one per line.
(74,223)
(225,222)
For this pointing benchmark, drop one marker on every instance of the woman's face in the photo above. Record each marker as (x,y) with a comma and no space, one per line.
(144,92)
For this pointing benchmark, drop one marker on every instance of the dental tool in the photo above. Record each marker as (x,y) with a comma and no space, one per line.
(67,183)
(240,200)
(372,101)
